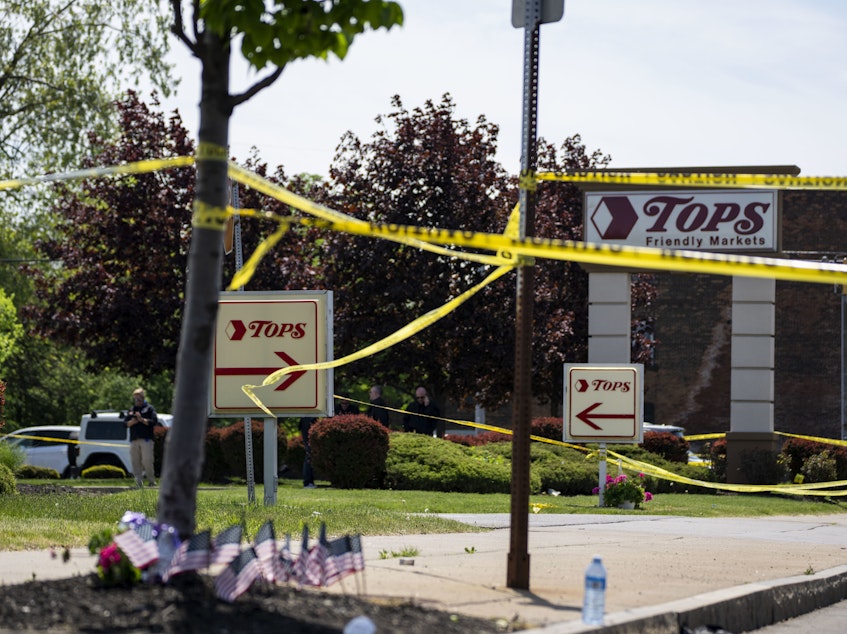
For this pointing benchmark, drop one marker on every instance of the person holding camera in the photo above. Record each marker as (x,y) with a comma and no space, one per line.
(141,420)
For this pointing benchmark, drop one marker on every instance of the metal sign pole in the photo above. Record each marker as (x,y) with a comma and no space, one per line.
(517,575)
(248,421)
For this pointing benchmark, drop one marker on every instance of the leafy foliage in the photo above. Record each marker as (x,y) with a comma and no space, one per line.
(7,481)
(667,445)
(798,451)
(225,452)
(11,456)
(424,463)
(11,330)
(350,449)
(62,62)
(122,243)
(103,472)
(296,29)
(32,472)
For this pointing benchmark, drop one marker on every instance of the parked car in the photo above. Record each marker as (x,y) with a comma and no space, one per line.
(679,432)
(47,446)
(104,439)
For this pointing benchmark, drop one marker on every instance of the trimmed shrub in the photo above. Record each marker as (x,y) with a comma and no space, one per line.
(232,450)
(820,467)
(31,472)
(485,438)
(796,451)
(665,444)
(350,450)
(565,470)
(424,463)
(717,452)
(11,456)
(547,427)
(7,481)
(103,472)
(214,461)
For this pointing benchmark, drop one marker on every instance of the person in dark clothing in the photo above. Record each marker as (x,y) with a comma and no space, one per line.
(377,409)
(345,407)
(422,416)
(141,419)
(308,473)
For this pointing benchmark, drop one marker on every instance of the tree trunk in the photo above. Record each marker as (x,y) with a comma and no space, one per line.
(183,458)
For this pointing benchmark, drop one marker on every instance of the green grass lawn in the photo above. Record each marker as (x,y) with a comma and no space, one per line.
(41,521)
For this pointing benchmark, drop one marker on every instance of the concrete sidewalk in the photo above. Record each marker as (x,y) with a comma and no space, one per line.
(663,572)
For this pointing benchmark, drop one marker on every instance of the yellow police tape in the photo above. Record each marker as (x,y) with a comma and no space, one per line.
(508,245)
(424,321)
(695,179)
(138,167)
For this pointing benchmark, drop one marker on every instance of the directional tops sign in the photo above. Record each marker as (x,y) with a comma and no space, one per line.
(259,333)
(603,403)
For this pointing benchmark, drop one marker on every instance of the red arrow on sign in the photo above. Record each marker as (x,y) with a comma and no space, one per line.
(289,379)
(587,417)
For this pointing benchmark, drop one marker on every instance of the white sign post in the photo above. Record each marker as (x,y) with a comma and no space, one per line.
(603,404)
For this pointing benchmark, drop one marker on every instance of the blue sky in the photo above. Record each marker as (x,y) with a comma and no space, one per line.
(650,82)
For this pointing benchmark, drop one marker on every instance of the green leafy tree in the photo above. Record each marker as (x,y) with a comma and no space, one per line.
(274,34)
(11,330)
(122,243)
(61,63)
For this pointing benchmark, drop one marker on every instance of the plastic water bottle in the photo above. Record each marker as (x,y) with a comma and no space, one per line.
(594,602)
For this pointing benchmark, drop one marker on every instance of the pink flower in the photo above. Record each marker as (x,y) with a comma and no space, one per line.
(620,479)
(648,496)
(109,556)
(595,490)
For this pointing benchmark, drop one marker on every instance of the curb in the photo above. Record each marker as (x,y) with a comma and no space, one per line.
(739,609)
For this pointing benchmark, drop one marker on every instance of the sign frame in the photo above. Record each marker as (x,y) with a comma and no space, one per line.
(265,313)
(584,412)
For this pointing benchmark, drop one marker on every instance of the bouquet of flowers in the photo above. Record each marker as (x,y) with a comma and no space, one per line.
(622,488)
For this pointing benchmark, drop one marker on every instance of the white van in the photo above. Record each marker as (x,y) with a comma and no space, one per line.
(104,439)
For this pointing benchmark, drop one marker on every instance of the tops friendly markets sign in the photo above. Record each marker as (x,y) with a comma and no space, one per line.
(697,220)
(260,333)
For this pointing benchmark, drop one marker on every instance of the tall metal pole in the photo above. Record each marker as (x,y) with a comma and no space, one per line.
(518,561)
(248,421)
(843,359)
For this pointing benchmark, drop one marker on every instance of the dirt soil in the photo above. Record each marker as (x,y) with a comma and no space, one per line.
(188,604)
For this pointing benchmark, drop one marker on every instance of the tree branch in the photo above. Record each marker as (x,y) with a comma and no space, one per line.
(178,30)
(234,100)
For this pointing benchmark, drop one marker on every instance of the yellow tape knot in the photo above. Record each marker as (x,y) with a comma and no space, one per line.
(211,152)
(209,217)
(528,181)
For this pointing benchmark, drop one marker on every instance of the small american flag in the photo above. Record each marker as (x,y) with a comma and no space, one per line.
(285,571)
(192,554)
(316,562)
(339,563)
(358,555)
(301,564)
(238,576)
(227,545)
(265,547)
(139,544)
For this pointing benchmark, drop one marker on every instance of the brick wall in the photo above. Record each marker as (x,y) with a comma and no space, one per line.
(690,385)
